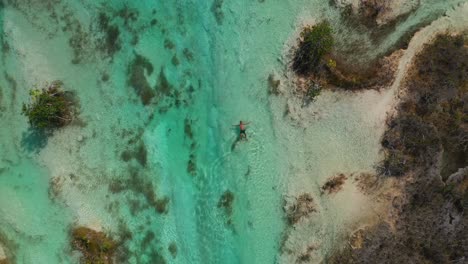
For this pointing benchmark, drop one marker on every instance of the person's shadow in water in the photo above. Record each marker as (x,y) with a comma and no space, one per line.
(236,130)
(33,140)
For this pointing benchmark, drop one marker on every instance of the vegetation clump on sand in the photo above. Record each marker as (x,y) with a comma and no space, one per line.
(316,60)
(50,107)
(315,42)
(374,21)
(424,145)
(95,247)
(334,184)
(302,207)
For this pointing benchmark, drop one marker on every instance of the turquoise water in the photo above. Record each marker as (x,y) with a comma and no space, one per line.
(210,64)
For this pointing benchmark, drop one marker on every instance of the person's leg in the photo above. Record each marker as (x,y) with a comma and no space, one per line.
(242,135)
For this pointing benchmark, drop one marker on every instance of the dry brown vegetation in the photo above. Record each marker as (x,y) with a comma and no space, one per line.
(335,71)
(367,182)
(379,74)
(350,65)
(303,206)
(434,117)
(426,222)
(334,184)
(305,257)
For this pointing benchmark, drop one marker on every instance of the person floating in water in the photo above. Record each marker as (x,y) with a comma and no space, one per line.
(242,128)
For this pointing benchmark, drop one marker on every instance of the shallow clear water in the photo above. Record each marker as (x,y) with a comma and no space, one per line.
(216,61)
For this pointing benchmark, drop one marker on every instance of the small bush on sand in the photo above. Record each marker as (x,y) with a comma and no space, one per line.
(50,107)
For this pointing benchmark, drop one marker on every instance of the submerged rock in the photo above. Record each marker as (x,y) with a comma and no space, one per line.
(138,69)
(216,9)
(225,201)
(95,247)
(161,205)
(138,153)
(192,165)
(273,85)
(173,249)
(110,42)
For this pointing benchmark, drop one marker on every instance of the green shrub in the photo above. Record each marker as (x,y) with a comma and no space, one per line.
(49,107)
(316,41)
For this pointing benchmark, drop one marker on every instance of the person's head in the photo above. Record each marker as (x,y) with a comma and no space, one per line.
(240,122)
